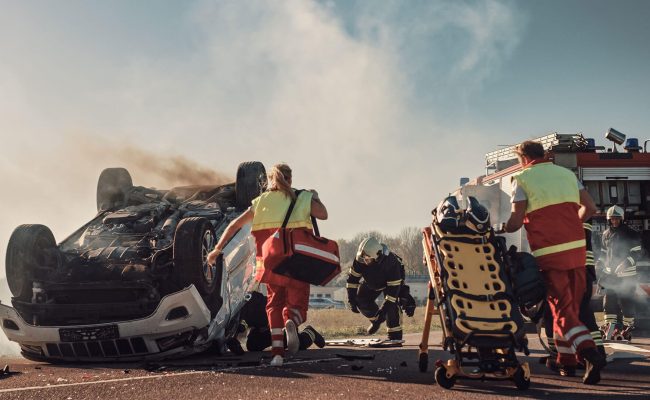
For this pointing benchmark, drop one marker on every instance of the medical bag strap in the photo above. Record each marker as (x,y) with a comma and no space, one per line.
(316,231)
(286,219)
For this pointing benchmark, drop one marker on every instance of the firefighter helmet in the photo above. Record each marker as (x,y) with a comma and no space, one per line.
(615,211)
(369,250)
(478,217)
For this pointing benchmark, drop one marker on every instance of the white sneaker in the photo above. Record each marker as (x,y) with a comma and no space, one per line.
(293,341)
(276,361)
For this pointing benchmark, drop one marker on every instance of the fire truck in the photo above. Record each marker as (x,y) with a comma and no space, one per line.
(612,176)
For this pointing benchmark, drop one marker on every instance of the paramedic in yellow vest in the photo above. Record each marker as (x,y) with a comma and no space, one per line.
(552,205)
(288,298)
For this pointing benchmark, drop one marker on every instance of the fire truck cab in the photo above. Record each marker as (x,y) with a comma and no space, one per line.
(611,175)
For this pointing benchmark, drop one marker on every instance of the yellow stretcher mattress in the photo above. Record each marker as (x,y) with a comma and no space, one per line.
(471,272)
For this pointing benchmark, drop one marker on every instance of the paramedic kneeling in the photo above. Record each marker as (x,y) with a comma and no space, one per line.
(552,205)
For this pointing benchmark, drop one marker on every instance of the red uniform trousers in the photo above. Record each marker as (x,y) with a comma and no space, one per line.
(565,288)
(285,303)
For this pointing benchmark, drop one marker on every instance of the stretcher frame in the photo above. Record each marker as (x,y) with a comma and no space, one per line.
(503,363)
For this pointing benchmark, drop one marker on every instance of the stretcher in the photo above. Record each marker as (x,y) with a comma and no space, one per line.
(470,291)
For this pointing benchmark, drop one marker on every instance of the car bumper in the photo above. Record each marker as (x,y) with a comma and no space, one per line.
(176,327)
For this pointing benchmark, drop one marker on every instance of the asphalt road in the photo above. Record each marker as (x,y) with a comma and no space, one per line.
(312,374)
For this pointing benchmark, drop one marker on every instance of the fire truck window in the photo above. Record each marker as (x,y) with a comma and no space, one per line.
(613,193)
(622,192)
(634,192)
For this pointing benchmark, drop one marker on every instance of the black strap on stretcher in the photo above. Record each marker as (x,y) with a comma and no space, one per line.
(478,319)
(484,297)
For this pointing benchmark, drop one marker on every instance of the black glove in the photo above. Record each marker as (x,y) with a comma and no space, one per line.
(409,309)
(354,307)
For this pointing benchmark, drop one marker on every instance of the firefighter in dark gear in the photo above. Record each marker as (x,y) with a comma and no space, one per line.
(381,271)
(254,324)
(621,246)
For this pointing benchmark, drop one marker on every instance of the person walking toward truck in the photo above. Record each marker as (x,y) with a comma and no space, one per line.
(552,205)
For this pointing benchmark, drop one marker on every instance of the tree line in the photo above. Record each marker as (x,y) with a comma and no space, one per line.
(407,244)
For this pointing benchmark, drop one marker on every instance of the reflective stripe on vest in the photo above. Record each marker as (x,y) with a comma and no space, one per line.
(559,247)
(555,232)
(270,208)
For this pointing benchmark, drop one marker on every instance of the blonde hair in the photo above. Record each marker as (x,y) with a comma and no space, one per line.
(278,179)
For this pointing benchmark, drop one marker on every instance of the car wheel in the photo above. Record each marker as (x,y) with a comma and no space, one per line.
(112,186)
(251,182)
(31,254)
(193,240)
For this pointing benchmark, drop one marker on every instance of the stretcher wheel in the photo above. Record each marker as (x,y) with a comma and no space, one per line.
(519,377)
(423,362)
(442,380)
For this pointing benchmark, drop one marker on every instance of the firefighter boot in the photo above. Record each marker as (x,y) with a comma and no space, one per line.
(376,323)
(594,362)
(310,335)
(234,346)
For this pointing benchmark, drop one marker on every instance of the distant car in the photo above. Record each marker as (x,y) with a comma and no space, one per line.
(325,303)
(134,283)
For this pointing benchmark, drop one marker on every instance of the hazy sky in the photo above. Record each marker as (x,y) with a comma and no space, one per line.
(380,105)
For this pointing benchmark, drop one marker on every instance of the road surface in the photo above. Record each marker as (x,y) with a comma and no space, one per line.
(312,374)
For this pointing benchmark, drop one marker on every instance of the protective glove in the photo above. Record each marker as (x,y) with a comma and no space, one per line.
(407,304)
(409,310)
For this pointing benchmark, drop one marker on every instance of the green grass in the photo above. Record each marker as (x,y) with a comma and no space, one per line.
(334,324)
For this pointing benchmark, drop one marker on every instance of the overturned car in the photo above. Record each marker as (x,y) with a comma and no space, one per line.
(133,283)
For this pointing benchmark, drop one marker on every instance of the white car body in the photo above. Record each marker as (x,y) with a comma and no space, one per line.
(144,338)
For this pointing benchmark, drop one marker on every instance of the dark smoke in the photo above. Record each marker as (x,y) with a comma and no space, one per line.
(169,170)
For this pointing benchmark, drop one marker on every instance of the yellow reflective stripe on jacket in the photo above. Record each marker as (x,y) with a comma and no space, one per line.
(394,283)
(351,285)
(558,248)
(355,273)
(560,185)
(270,209)
(391,299)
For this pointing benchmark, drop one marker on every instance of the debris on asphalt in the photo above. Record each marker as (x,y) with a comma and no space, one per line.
(403,364)
(151,367)
(127,371)
(352,357)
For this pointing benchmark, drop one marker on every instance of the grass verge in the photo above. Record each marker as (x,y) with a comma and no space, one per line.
(334,324)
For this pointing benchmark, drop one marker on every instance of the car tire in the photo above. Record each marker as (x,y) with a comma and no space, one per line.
(112,187)
(31,254)
(250,183)
(193,240)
